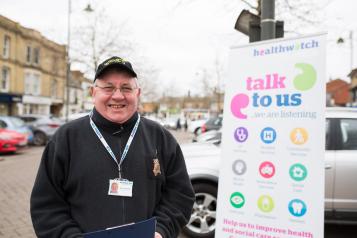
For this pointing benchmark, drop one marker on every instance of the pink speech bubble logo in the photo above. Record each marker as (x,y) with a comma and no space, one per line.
(239,102)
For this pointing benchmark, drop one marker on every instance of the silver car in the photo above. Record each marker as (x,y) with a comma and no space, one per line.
(203,162)
(42,126)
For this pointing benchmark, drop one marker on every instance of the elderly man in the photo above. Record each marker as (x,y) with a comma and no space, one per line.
(72,193)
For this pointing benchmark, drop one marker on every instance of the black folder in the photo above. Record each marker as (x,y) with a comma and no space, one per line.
(143,229)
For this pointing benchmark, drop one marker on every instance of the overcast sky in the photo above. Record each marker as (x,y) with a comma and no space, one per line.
(181,41)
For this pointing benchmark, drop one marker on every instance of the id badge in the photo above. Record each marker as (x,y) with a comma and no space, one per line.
(122,187)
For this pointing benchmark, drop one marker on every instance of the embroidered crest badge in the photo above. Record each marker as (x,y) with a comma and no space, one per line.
(156,167)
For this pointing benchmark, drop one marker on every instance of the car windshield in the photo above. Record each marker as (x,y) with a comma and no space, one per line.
(17,122)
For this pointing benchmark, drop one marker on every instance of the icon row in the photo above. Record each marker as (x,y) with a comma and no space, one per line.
(266,204)
(268,135)
(298,172)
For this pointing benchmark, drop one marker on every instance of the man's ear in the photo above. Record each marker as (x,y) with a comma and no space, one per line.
(91,91)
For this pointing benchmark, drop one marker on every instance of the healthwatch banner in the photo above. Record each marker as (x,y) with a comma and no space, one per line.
(271,182)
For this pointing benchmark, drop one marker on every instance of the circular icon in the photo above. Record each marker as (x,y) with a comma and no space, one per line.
(267,169)
(298,172)
(239,167)
(307,79)
(241,134)
(299,136)
(268,135)
(297,208)
(265,203)
(239,102)
(237,200)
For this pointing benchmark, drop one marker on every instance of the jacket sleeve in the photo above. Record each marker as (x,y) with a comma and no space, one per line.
(50,212)
(175,207)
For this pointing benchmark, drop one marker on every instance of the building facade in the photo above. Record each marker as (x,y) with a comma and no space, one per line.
(80,99)
(33,71)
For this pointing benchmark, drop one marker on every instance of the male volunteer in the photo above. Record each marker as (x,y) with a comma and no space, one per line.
(74,192)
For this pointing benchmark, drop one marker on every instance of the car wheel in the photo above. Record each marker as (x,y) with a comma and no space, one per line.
(202,223)
(198,131)
(39,138)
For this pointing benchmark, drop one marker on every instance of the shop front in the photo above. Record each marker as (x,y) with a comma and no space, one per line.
(8,103)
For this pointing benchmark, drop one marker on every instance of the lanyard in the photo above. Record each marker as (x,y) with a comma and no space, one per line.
(107,147)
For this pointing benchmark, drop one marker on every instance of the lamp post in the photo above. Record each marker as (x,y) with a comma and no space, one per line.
(260,27)
(342,41)
(267,22)
(88,8)
(68,74)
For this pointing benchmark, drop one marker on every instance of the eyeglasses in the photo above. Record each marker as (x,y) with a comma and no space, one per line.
(110,90)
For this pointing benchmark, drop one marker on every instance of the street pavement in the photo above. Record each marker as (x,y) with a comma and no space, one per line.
(17,174)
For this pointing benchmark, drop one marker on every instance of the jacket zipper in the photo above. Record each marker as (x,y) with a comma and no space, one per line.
(122,198)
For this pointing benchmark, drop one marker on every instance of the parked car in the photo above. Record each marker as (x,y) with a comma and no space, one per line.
(11,141)
(213,123)
(43,127)
(170,122)
(212,136)
(77,115)
(16,124)
(203,162)
(195,126)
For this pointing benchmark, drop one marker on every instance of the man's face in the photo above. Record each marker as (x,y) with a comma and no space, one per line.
(122,104)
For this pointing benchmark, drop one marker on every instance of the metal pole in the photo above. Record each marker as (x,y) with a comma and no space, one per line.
(351,48)
(68,75)
(267,23)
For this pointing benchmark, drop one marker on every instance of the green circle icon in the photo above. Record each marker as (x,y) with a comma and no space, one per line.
(237,200)
(298,172)
(307,79)
(265,203)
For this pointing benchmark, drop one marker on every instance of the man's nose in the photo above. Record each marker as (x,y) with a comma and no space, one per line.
(117,93)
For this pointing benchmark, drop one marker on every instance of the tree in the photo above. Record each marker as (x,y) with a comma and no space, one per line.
(298,15)
(211,80)
(148,79)
(97,37)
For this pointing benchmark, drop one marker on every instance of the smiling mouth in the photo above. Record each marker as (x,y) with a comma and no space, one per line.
(116,106)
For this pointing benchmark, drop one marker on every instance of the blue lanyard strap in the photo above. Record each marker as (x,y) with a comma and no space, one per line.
(107,147)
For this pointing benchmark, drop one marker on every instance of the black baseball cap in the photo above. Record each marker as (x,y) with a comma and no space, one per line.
(114,62)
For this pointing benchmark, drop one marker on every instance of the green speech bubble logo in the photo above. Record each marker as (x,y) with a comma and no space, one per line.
(307,79)
(237,200)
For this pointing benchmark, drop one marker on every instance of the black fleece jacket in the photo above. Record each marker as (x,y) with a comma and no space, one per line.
(70,194)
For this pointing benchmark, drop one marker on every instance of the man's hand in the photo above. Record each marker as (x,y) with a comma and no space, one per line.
(157,235)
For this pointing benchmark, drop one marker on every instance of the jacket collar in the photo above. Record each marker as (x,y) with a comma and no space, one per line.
(112,127)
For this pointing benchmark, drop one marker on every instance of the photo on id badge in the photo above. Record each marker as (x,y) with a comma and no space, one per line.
(113,188)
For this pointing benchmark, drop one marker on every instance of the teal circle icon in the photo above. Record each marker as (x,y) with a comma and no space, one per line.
(298,172)
(297,208)
(237,200)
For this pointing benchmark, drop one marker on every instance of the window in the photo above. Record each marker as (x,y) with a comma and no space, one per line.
(3,124)
(6,47)
(27,83)
(5,79)
(54,88)
(28,54)
(72,96)
(32,83)
(36,84)
(349,134)
(36,55)
(327,135)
